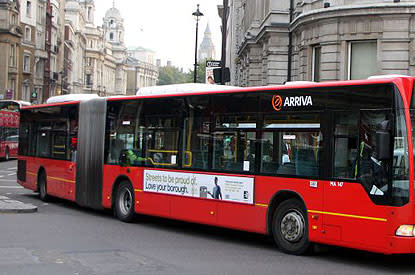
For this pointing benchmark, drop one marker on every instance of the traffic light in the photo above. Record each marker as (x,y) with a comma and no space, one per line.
(217,75)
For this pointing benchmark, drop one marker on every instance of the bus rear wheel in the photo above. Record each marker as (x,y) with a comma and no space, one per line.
(7,154)
(124,202)
(43,193)
(290,227)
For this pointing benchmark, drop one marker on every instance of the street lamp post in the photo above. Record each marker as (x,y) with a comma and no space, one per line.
(196,15)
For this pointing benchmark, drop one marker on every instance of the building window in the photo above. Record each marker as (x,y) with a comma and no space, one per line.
(28,9)
(26,92)
(362,59)
(12,56)
(14,19)
(26,63)
(111,36)
(316,73)
(88,80)
(12,84)
(28,34)
(40,13)
(39,69)
(89,12)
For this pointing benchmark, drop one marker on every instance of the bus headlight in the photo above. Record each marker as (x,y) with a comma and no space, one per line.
(405,230)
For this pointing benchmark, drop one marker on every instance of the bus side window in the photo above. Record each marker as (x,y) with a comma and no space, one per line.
(345,144)
(291,145)
(197,133)
(43,146)
(234,140)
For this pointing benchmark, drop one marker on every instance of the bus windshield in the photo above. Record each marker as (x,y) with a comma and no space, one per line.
(10,106)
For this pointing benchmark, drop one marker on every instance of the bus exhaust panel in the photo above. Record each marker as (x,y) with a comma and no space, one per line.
(90,155)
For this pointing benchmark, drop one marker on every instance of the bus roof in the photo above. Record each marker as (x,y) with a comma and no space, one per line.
(70,97)
(181,88)
(201,89)
(176,91)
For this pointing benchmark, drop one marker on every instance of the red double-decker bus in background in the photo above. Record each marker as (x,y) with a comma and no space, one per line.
(9,127)
(329,163)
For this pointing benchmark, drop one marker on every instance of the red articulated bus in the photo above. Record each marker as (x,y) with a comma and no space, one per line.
(9,127)
(305,163)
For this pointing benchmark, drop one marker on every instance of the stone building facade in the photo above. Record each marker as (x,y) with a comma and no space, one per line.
(142,70)
(55,45)
(52,47)
(74,50)
(27,48)
(330,40)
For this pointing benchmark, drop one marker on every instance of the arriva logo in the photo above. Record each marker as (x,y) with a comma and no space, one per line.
(277,102)
(291,101)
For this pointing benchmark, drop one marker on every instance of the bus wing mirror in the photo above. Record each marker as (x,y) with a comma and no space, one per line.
(384,141)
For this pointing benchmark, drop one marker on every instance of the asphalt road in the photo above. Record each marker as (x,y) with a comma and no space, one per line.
(62,238)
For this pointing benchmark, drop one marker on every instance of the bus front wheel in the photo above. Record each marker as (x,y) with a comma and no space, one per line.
(290,227)
(124,202)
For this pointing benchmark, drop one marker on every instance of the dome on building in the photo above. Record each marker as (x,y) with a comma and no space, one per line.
(72,5)
(113,13)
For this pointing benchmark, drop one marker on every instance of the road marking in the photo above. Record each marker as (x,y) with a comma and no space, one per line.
(12,174)
(8,180)
(13,168)
(1,176)
(11,187)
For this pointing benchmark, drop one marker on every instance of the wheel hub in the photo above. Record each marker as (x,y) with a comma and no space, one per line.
(292,226)
(125,201)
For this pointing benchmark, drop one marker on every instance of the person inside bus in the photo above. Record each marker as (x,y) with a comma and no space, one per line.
(159,157)
(373,172)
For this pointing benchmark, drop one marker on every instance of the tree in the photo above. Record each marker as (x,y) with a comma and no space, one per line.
(201,73)
(171,75)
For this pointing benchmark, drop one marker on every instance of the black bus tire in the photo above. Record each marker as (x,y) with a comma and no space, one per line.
(42,187)
(7,154)
(124,202)
(290,227)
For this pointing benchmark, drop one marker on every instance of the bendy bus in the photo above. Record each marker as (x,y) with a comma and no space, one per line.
(328,163)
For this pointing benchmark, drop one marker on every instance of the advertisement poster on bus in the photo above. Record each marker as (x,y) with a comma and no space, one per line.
(210,66)
(226,188)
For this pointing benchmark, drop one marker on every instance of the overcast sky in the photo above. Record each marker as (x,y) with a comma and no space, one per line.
(165,26)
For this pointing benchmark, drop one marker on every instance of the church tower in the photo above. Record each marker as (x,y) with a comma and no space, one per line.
(207,48)
(114,26)
(89,7)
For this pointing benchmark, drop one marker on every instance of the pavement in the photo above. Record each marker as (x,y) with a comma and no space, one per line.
(8,205)
(8,182)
